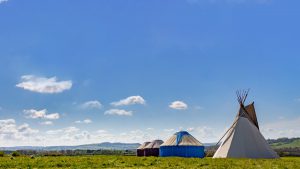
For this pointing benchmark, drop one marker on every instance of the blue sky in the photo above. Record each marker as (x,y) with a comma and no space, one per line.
(76,72)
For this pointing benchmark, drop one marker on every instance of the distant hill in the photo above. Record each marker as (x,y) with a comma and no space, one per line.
(279,143)
(102,146)
(284,143)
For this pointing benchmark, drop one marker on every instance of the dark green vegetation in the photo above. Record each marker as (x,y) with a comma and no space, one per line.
(75,152)
(15,154)
(143,162)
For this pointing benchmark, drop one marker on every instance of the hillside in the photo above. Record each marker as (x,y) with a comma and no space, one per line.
(284,143)
(102,146)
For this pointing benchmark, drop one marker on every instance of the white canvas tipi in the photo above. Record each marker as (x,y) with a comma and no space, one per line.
(243,139)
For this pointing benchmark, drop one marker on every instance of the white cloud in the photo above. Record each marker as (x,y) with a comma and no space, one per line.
(43,84)
(281,128)
(102,131)
(9,130)
(178,105)
(71,130)
(205,133)
(94,104)
(26,130)
(41,114)
(47,123)
(130,101)
(191,129)
(84,135)
(135,136)
(7,126)
(54,132)
(73,135)
(86,121)
(169,130)
(67,130)
(52,116)
(3,1)
(118,112)
(70,135)
(34,114)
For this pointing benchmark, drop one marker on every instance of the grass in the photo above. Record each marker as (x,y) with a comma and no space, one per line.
(144,162)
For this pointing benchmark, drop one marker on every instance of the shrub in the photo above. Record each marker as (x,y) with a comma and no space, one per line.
(1,154)
(15,154)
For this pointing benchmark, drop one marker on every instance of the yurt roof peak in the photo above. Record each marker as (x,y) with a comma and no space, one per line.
(182,138)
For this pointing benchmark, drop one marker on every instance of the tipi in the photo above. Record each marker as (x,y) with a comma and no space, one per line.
(243,139)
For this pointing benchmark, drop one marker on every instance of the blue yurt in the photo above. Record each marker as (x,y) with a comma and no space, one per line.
(182,144)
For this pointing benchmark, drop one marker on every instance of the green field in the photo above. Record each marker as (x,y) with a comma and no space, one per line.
(144,162)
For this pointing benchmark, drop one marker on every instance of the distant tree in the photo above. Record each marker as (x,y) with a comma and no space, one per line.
(15,154)
(1,154)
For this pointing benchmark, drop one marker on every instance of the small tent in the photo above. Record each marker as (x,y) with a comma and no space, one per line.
(243,139)
(152,149)
(182,144)
(140,151)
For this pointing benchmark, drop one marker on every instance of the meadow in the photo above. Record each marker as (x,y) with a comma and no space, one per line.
(102,161)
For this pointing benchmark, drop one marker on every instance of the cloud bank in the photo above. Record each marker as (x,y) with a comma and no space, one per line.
(10,131)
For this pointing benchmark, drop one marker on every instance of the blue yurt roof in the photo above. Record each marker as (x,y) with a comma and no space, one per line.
(182,138)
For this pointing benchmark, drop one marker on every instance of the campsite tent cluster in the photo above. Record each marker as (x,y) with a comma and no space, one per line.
(181,144)
(242,140)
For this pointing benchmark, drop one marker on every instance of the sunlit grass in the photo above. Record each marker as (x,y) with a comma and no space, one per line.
(144,162)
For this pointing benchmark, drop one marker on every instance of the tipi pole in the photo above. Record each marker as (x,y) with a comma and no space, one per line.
(227,131)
